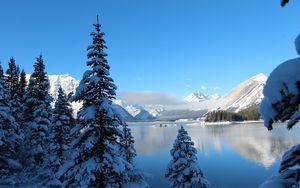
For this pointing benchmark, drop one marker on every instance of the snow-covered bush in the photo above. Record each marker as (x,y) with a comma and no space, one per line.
(183,170)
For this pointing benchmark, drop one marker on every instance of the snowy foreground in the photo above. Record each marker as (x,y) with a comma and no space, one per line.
(281,103)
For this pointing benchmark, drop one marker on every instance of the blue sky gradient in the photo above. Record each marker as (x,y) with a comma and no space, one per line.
(168,46)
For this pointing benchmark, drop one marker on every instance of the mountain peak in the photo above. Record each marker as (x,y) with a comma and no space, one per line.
(200,97)
(244,95)
(261,77)
(196,97)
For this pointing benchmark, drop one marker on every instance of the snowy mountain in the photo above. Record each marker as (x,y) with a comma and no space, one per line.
(69,85)
(139,112)
(215,96)
(154,109)
(200,97)
(244,95)
(196,97)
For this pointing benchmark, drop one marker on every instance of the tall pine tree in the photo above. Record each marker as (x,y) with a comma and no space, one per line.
(12,79)
(97,159)
(37,114)
(60,135)
(9,138)
(183,170)
(12,82)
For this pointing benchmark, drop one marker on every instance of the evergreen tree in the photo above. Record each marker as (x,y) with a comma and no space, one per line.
(128,144)
(281,103)
(12,79)
(37,113)
(12,82)
(183,170)
(59,134)
(97,160)
(133,175)
(9,139)
(22,86)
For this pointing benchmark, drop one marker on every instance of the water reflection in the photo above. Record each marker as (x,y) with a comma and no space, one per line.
(239,142)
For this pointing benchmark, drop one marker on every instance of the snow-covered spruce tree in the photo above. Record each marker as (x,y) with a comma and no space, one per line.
(59,135)
(36,117)
(22,86)
(12,78)
(12,82)
(97,160)
(281,103)
(127,141)
(9,139)
(128,151)
(183,170)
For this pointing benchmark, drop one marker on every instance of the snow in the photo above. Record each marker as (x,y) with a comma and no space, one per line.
(196,97)
(201,97)
(281,102)
(244,95)
(183,170)
(68,84)
(282,89)
(290,158)
(283,79)
(286,179)
(141,112)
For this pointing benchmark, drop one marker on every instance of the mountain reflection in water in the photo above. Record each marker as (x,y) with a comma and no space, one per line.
(239,147)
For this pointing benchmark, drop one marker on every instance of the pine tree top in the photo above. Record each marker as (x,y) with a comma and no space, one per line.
(96,84)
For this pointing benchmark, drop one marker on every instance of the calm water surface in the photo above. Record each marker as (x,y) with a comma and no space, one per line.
(240,155)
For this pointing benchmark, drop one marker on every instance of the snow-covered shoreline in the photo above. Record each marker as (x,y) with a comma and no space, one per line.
(190,123)
(230,122)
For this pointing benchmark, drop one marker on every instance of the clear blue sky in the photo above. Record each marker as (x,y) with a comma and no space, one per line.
(168,46)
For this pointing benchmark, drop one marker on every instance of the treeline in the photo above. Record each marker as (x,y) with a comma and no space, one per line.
(44,146)
(248,114)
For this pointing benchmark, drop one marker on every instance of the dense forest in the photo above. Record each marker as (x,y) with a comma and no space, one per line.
(247,114)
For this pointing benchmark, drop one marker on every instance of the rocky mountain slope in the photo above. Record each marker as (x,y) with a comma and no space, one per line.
(244,95)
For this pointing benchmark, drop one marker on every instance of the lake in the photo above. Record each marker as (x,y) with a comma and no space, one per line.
(238,155)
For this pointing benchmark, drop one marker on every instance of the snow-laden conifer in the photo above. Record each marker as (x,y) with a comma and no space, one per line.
(12,82)
(281,103)
(12,77)
(10,166)
(133,174)
(36,117)
(183,170)
(59,136)
(97,160)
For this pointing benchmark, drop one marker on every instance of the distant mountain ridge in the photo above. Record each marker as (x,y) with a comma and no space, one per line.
(246,94)
(200,97)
